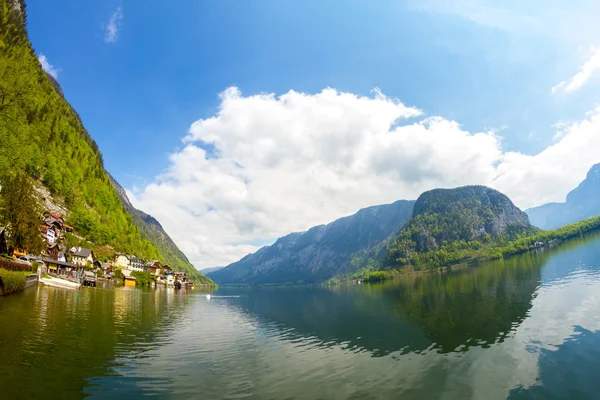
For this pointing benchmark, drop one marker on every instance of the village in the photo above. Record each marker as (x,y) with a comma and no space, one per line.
(78,265)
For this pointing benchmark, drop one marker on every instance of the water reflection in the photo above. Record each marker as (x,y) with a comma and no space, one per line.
(443,311)
(67,341)
(526,327)
(562,372)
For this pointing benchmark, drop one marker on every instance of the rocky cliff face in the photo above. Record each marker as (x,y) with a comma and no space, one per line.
(582,203)
(472,211)
(453,219)
(323,251)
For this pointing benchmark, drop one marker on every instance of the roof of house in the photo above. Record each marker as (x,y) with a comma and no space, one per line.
(81,252)
(52,220)
(152,263)
(53,215)
(56,262)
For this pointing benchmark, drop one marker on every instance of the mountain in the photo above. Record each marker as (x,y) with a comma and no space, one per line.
(323,251)
(448,224)
(582,202)
(42,135)
(207,271)
(153,231)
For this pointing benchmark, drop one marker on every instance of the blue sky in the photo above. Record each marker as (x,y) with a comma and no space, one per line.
(484,66)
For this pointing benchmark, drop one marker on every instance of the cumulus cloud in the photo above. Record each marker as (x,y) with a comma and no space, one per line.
(112,28)
(582,76)
(49,68)
(266,165)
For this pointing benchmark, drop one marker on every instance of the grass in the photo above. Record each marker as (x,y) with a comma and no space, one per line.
(11,282)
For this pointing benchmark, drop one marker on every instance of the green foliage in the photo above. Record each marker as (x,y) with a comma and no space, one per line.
(42,136)
(14,266)
(11,282)
(19,213)
(142,278)
(377,276)
(496,250)
(449,226)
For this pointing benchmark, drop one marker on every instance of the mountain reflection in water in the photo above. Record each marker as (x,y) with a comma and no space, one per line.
(522,328)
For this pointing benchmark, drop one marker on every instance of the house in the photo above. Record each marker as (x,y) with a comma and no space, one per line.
(153,267)
(61,256)
(82,256)
(3,245)
(50,215)
(136,264)
(51,227)
(68,228)
(104,267)
(58,267)
(538,244)
(169,275)
(180,277)
(53,251)
(122,260)
(130,281)
(19,252)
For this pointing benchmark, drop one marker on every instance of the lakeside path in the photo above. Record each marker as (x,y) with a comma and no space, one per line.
(62,283)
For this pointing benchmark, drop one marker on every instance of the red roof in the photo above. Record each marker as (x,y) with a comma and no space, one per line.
(53,215)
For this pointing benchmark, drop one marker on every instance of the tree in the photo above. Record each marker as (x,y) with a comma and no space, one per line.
(19,213)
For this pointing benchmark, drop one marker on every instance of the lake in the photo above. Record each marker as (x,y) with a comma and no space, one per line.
(524,328)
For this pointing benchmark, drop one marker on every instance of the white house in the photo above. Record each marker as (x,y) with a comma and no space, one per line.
(122,260)
(81,256)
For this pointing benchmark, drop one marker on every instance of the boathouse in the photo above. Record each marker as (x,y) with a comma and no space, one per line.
(59,267)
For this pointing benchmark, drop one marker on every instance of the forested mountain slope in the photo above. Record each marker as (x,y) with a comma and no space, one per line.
(41,134)
(449,223)
(152,230)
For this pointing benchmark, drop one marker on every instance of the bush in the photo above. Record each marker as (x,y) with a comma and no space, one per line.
(377,276)
(11,282)
(14,266)
(142,278)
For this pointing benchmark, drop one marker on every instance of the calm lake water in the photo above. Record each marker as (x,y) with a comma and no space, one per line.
(525,328)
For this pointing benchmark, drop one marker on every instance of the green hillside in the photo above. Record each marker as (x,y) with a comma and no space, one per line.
(41,134)
(449,225)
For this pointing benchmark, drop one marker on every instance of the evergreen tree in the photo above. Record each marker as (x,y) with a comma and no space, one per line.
(19,213)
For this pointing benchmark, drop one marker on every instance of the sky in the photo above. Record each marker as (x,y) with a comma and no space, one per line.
(235,123)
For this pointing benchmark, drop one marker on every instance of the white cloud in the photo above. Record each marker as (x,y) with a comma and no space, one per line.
(583,75)
(49,68)
(575,24)
(279,164)
(112,28)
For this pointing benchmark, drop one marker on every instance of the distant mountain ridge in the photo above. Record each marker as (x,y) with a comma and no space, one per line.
(323,251)
(153,231)
(207,271)
(581,203)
